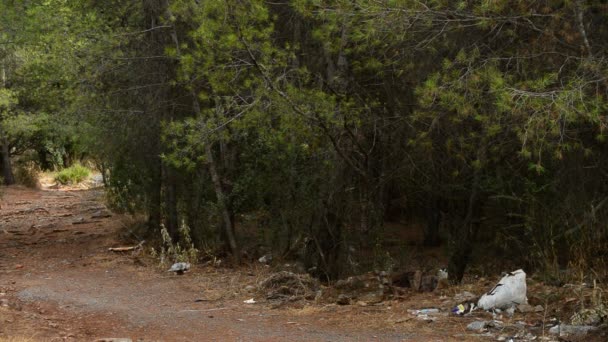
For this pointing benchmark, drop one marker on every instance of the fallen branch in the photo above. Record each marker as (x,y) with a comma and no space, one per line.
(127,248)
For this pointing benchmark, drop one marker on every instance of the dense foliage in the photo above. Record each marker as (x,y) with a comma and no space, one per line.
(305,126)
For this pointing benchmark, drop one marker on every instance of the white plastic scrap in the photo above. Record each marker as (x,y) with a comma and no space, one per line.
(442,273)
(180,267)
(249,301)
(510,291)
(265,259)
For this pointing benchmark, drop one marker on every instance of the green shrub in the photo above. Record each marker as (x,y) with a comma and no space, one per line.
(73,174)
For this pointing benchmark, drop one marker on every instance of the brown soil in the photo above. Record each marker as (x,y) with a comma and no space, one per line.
(59,281)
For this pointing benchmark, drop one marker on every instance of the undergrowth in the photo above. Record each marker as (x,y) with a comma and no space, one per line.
(170,252)
(73,174)
(26,174)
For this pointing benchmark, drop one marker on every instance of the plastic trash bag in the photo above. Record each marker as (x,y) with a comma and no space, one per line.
(510,291)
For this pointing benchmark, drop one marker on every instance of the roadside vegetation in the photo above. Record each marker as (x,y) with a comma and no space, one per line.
(73,174)
(323,132)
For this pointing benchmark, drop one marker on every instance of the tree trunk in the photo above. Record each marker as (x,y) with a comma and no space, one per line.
(431,233)
(5,155)
(155,202)
(221,200)
(170,202)
(462,237)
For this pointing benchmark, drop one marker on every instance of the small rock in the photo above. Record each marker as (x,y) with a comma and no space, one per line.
(343,300)
(361,303)
(477,325)
(372,297)
(566,330)
(249,288)
(525,308)
(114,339)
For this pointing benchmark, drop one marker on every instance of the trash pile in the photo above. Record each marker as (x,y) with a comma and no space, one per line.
(507,294)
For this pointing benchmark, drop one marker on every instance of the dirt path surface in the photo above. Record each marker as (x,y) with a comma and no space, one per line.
(58,281)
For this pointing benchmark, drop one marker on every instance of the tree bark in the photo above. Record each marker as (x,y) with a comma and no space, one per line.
(170,202)
(221,200)
(462,237)
(431,233)
(155,202)
(5,155)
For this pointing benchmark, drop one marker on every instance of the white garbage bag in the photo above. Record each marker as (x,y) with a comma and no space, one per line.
(510,291)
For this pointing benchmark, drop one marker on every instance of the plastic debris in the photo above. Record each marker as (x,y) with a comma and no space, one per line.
(250,301)
(442,273)
(265,259)
(510,291)
(179,267)
(464,308)
(477,325)
(425,311)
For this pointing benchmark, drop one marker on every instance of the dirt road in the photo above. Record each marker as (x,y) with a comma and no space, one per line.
(58,281)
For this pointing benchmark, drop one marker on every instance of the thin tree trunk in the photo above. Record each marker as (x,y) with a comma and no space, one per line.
(155,202)
(431,233)
(170,202)
(5,152)
(221,200)
(462,238)
(7,168)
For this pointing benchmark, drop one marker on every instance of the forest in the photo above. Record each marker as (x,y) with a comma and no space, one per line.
(323,131)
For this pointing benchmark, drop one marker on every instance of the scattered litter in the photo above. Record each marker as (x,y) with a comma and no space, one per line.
(426,317)
(510,291)
(428,314)
(477,325)
(249,301)
(464,308)
(180,267)
(482,325)
(567,330)
(424,311)
(265,259)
